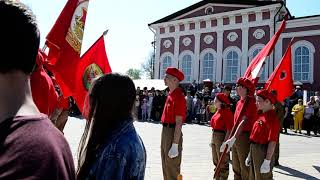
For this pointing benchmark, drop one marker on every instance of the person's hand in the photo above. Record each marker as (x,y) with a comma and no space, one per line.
(265,167)
(173,152)
(228,142)
(247,162)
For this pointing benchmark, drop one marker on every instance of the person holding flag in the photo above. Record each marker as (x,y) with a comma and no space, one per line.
(221,123)
(263,138)
(245,110)
(43,90)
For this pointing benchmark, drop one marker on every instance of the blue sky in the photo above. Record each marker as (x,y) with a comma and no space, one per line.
(128,42)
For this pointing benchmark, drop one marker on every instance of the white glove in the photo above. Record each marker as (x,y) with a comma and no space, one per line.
(265,167)
(247,162)
(173,152)
(228,142)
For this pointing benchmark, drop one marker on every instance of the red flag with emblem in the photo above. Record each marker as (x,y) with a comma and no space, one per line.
(64,42)
(93,63)
(253,70)
(281,78)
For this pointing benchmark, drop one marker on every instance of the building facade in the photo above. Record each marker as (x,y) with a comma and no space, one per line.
(217,39)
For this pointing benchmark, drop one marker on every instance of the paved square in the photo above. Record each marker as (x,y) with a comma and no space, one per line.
(299,154)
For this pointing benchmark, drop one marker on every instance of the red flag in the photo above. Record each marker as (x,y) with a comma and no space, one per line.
(253,70)
(64,42)
(94,63)
(281,78)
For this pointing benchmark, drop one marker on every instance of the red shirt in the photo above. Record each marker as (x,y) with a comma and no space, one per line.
(175,106)
(43,92)
(266,128)
(222,120)
(250,111)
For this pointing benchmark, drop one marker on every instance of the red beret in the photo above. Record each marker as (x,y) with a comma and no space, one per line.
(175,72)
(267,95)
(223,98)
(246,83)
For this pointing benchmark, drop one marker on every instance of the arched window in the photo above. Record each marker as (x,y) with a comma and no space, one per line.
(186,67)
(166,62)
(263,74)
(231,64)
(208,64)
(302,65)
(253,52)
(301,71)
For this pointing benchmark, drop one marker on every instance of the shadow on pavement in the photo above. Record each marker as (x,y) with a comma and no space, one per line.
(317,168)
(294,173)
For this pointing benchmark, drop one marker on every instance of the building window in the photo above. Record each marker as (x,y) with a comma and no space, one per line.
(252,53)
(303,62)
(263,74)
(208,66)
(301,70)
(186,67)
(167,62)
(232,66)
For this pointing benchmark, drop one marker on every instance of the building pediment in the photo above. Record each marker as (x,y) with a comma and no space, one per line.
(209,7)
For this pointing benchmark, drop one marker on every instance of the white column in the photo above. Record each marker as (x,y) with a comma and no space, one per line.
(232,19)
(278,52)
(157,58)
(259,16)
(176,51)
(219,69)
(270,67)
(271,26)
(195,64)
(244,57)
(244,45)
(196,59)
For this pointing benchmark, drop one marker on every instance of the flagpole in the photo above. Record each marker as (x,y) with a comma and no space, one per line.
(280,61)
(105,32)
(102,36)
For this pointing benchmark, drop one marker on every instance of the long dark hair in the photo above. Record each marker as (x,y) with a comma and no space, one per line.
(111,100)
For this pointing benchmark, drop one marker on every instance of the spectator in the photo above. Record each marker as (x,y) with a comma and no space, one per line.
(149,103)
(308,116)
(137,106)
(297,112)
(110,147)
(227,91)
(144,109)
(189,100)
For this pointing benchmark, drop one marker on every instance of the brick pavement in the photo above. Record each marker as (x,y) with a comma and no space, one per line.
(299,154)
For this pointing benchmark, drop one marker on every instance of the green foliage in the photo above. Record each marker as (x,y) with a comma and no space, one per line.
(134,73)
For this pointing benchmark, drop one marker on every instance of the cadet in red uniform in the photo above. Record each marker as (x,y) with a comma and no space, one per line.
(173,116)
(263,138)
(240,139)
(43,91)
(221,123)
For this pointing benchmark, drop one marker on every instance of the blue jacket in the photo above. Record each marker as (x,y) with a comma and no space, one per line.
(122,157)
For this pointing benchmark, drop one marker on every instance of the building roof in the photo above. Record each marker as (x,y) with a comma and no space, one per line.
(305,17)
(204,2)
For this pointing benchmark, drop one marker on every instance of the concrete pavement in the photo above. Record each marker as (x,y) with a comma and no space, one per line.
(299,154)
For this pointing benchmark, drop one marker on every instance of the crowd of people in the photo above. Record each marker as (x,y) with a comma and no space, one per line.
(200,106)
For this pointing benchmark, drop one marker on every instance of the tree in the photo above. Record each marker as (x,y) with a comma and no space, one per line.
(147,66)
(134,73)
